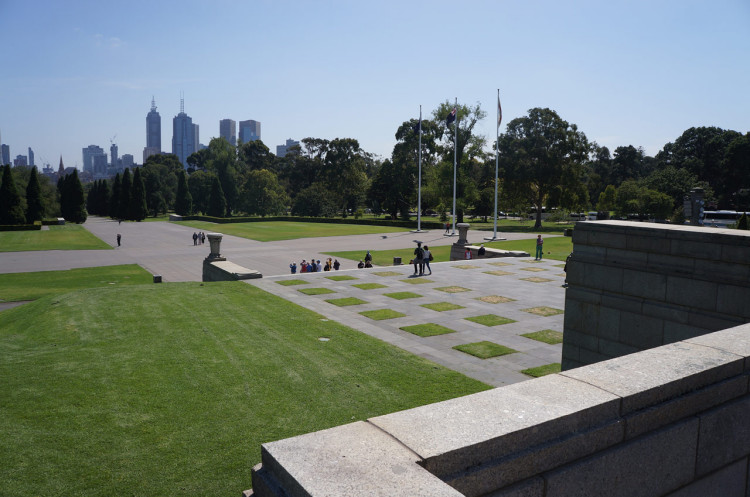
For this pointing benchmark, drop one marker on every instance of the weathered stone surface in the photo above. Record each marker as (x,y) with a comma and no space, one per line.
(533,487)
(649,466)
(350,460)
(735,340)
(659,374)
(726,482)
(724,436)
(461,433)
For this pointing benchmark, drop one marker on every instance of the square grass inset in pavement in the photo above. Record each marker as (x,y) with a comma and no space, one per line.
(181,394)
(485,349)
(427,329)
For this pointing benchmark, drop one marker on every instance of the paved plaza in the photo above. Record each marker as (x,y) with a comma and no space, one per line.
(518,283)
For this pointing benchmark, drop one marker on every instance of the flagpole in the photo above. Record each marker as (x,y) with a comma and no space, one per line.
(455,155)
(419,189)
(497,155)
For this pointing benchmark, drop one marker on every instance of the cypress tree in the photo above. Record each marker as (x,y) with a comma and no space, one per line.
(11,211)
(34,206)
(102,205)
(217,204)
(114,199)
(76,201)
(137,210)
(125,187)
(184,201)
(91,197)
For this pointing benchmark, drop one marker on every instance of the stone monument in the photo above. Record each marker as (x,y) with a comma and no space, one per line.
(218,268)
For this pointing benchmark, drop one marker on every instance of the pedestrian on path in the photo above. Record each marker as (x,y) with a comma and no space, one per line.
(427,257)
(119,237)
(447,228)
(539,248)
(195,238)
(418,259)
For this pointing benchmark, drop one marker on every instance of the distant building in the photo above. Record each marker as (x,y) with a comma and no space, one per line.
(153,127)
(184,135)
(4,154)
(20,160)
(127,161)
(228,131)
(31,157)
(88,157)
(148,152)
(100,166)
(249,131)
(281,150)
(113,155)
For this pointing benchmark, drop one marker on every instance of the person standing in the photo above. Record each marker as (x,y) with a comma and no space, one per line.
(467,254)
(368,257)
(427,257)
(293,267)
(539,248)
(195,238)
(119,237)
(203,237)
(418,259)
(336,264)
(447,228)
(481,250)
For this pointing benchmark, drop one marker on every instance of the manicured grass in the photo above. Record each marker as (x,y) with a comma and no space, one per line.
(543,311)
(427,329)
(536,279)
(64,237)
(559,247)
(498,272)
(171,389)
(381,314)
(387,273)
(543,370)
(453,289)
(533,269)
(315,291)
(484,350)
(402,295)
(292,282)
(342,277)
(495,299)
(417,281)
(490,320)
(547,336)
(346,301)
(31,286)
(443,306)
(369,286)
(287,230)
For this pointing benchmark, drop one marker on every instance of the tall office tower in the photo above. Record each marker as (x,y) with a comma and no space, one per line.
(31,157)
(196,134)
(281,150)
(20,160)
(183,135)
(153,128)
(5,155)
(127,161)
(249,131)
(228,131)
(113,155)
(99,166)
(88,157)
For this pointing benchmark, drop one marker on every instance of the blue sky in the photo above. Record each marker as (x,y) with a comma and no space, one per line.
(626,72)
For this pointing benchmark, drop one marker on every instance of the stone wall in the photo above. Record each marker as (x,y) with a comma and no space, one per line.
(669,421)
(633,286)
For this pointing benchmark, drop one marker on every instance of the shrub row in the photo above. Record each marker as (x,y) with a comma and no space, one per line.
(20,227)
(370,222)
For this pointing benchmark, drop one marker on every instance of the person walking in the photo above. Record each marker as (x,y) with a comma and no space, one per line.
(418,259)
(447,228)
(203,237)
(427,257)
(195,238)
(119,237)
(539,248)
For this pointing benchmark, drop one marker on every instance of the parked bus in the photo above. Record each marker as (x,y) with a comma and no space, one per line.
(721,219)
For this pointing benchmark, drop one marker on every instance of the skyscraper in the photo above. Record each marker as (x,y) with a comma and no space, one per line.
(184,135)
(5,155)
(31,157)
(249,131)
(153,132)
(228,130)
(113,155)
(88,157)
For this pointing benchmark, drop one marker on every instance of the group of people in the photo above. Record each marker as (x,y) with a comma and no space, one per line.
(422,258)
(199,238)
(367,262)
(313,266)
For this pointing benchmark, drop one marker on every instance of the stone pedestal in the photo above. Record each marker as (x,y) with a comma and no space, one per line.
(217,268)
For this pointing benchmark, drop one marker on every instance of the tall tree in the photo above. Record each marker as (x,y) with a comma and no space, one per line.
(72,201)
(137,209)
(263,195)
(11,210)
(199,184)
(125,193)
(255,155)
(217,204)
(184,202)
(223,162)
(114,199)
(539,153)
(34,205)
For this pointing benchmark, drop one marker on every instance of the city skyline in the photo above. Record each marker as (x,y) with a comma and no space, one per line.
(638,73)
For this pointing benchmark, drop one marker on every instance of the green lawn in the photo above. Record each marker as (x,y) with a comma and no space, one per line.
(31,286)
(63,237)
(485,350)
(170,389)
(542,370)
(559,247)
(287,230)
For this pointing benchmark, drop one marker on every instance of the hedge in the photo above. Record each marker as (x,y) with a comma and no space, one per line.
(369,222)
(20,227)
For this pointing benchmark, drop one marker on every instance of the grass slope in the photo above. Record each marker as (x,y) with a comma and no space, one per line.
(170,389)
(287,230)
(64,237)
(31,286)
